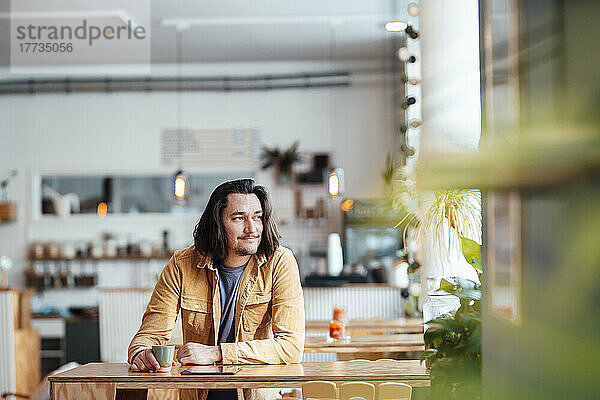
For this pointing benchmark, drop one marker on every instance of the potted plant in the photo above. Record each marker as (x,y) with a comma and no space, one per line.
(453,341)
(8,210)
(451,215)
(282,161)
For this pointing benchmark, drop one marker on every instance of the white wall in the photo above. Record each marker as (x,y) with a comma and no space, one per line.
(107,132)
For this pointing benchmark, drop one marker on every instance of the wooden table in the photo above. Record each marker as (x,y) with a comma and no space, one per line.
(106,380)
(372,326)
(365,344)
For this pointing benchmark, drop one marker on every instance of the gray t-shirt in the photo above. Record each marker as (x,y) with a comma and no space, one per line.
(229,283)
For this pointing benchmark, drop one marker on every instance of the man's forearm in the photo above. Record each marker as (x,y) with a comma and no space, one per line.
(282,350)
(198,353)
(159,318)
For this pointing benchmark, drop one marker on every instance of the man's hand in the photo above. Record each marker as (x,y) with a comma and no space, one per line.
(196,353)
(145,361)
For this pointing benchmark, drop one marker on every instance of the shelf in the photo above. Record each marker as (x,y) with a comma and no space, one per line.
(122,258)
(52,353)
(118,217)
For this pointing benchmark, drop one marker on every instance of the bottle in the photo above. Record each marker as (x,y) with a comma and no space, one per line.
(339,313)
(337,326)
(335,259)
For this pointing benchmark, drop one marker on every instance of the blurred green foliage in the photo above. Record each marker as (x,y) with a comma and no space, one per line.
(453,341)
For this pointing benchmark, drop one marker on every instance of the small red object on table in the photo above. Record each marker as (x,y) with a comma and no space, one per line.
(337,327)
(339,314)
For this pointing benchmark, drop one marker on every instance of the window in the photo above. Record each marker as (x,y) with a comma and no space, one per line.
(126,194)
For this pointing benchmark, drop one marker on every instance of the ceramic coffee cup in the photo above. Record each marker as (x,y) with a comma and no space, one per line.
(164,355)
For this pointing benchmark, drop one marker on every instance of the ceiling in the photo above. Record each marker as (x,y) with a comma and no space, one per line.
(268,30)
(250,31)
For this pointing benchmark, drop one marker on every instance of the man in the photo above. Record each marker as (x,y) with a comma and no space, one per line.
(238,290)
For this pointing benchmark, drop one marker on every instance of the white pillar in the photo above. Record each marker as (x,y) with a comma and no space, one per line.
(451,102)
(450,85)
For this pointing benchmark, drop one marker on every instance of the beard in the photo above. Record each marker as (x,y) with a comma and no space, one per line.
(247,249)
(244,251)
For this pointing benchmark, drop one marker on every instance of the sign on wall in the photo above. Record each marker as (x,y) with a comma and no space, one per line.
(211,147)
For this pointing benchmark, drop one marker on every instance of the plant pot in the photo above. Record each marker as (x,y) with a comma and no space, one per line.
(283,178)
(8,212)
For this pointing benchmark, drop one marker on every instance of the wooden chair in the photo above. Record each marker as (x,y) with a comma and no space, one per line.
(393,391)
(319,390)
(353,390)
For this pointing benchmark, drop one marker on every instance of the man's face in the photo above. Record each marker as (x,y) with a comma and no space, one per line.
(242,219)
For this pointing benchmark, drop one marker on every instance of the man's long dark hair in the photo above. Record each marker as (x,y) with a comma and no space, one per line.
(210,237)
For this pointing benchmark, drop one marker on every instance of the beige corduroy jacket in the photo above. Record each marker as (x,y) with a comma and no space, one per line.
(269,317)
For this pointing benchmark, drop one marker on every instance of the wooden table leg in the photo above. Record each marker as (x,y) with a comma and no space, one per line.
(92,391)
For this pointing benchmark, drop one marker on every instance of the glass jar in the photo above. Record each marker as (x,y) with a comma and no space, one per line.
(337,329)
(339,313)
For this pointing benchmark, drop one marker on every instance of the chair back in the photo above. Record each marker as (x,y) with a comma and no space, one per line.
(319,390)
(354,390)
(393,391)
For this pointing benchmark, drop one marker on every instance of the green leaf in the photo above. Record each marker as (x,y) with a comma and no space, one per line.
(463,289)
(429,353)
(474,342)
(469,289)
(431,334)
(472,252)
(447,286)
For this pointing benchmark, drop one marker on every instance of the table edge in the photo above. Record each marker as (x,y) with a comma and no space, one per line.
(233,378)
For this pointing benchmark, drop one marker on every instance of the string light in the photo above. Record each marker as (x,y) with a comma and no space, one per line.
(347,205)
(410,31)
(102,209)
(405,56)
(180,185)
(395,26)
(413,9)
(335,183)
(409,101)
(179,182)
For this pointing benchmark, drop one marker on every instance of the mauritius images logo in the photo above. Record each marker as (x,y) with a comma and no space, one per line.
(112,36)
